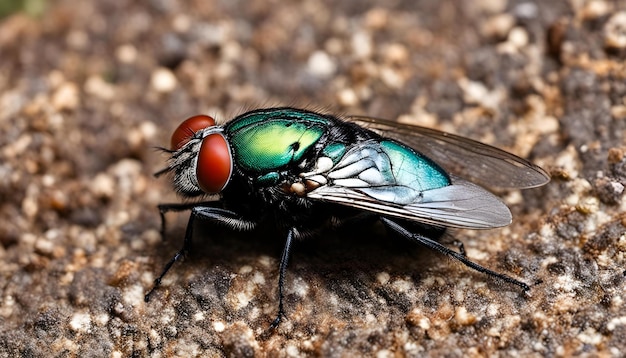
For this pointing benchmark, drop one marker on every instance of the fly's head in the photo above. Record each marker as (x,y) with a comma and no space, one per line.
(201,158)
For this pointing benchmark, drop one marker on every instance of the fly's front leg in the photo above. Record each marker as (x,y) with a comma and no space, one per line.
(216,215)
(176,207)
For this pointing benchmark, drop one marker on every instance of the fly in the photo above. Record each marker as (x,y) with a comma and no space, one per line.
(308,169)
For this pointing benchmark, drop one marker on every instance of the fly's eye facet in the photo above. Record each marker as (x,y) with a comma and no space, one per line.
(215,163)
(186,130)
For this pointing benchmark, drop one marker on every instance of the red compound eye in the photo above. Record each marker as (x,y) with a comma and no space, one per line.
(186,130)
(214,163)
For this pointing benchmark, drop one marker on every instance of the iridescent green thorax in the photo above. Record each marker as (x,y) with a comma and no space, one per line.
(263,115)
(265,141)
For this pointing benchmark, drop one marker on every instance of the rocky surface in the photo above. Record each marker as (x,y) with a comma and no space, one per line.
(88,89)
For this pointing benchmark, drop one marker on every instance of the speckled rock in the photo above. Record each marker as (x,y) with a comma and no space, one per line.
(88,89)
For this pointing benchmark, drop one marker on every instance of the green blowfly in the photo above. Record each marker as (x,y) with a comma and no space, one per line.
(303,169)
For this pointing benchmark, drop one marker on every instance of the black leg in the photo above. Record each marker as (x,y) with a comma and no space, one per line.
(357,219)
(461,247)
(166,208)
(216,215)
(284,259)
(431,244)
(449,240)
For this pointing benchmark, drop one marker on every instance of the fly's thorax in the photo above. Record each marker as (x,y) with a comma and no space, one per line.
(271,147)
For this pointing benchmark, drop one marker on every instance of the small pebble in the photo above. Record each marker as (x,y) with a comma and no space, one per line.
(126,53)
(66,97)
(377,18)
(463,317)
(347,97)
(321,65)
(492,6)
(615,31)
(80,322)
(397,54)
(595,9)
(163,80)
(498,26)
(518,37)
(526,10)
(96,86)
(362,45)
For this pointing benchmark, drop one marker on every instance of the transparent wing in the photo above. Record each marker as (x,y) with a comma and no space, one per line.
(461,156)
(460,205)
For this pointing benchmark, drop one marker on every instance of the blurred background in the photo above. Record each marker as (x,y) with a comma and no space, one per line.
(88,89)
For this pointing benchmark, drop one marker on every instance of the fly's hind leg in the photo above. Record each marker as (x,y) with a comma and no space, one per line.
(434,245)
(449,240)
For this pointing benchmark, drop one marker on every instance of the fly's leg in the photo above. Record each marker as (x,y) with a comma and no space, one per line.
(460,246)
(447,239)
(360,218)
(284,259)
(434,245)
(216,215)
(176,207)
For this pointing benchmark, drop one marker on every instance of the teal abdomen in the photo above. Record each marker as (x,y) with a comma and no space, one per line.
(385,170)
(263,142)
(412,169)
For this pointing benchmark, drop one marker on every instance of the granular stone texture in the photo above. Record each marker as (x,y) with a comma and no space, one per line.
(88,89)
